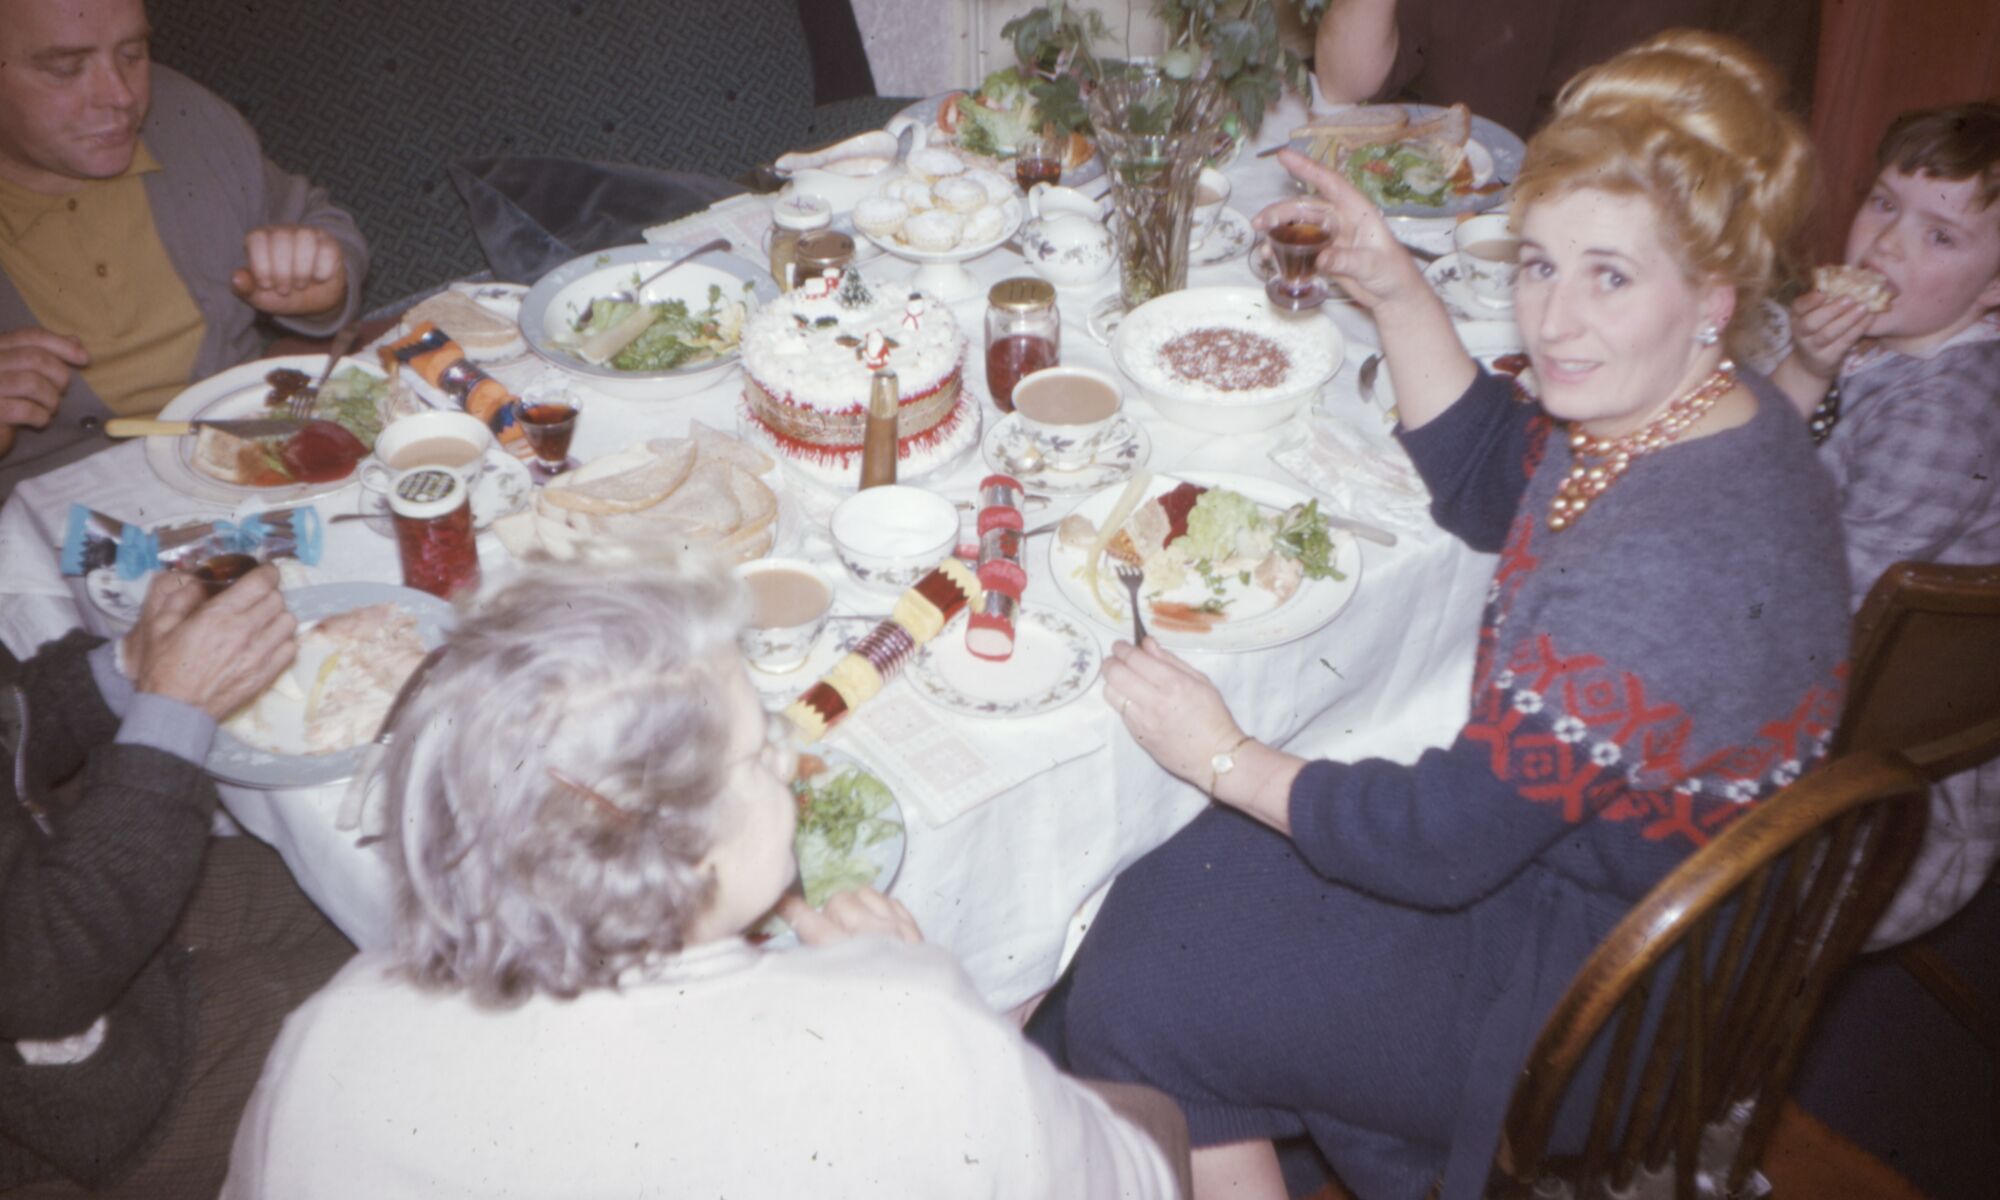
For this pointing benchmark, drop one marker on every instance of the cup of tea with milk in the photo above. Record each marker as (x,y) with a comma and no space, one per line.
(1489,255)
(1065,413)
(789,604)
(452,441)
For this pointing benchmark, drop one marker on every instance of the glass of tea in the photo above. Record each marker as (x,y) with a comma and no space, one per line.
(1301,232)
(548,422)
(1038,158)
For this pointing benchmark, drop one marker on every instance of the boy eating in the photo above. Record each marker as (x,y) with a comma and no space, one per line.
(1909,396)
(1898,350)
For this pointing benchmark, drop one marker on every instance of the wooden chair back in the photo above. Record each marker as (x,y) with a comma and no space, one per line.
(1926,668)
(1762,918)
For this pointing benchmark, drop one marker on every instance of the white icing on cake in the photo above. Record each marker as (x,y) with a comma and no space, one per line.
(792,347)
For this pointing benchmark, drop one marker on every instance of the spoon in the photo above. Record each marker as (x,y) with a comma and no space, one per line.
(1365,382)
(631,295)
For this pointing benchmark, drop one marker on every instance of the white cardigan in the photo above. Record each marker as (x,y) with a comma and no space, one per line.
(867,1068)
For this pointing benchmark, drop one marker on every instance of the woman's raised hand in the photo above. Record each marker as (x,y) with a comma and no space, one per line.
(849,914)
(1171,709)
(1364,257)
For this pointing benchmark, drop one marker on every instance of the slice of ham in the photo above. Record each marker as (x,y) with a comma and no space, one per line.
(321,452)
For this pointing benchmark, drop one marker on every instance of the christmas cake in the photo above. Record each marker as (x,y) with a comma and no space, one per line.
(810,356)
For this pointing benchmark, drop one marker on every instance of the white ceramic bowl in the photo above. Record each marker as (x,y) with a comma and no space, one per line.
(556,300)
(890,537)
(1311,338)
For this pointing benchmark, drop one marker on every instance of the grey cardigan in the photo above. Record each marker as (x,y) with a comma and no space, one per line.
(215,187)
(84,922)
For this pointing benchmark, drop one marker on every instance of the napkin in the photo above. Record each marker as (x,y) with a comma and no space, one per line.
(1368,478)
(744,220)
(942,766)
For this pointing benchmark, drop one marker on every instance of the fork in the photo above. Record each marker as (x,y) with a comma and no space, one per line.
(300,406)
(1132,575)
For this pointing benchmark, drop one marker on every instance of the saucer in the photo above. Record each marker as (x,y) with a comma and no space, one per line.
(1125,449)
(1231,236)
(502,490)
(1449,282)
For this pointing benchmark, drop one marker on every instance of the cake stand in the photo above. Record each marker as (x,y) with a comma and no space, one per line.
(942,273)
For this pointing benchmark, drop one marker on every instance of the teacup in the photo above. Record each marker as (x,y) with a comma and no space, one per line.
(789,604)
(1211,196)
(1066,412)
(1489,254)
(454,441)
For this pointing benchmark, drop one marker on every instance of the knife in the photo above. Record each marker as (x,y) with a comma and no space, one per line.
(1360,529)
(254,427)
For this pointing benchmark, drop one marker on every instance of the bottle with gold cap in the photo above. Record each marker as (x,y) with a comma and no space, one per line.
(1023,335)
(878,438)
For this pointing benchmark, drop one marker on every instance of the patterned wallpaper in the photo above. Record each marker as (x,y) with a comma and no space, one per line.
(922,47)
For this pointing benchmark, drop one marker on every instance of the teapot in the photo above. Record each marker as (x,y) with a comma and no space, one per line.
(1065,241)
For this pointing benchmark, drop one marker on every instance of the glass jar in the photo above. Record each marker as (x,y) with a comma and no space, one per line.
(819,252)
(1023,335)
(432,513)
(793,217)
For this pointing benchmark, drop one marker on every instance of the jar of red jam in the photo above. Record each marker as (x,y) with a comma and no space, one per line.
(1023,335)
(432,513)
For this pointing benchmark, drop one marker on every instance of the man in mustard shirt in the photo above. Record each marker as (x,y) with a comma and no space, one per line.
(142,232)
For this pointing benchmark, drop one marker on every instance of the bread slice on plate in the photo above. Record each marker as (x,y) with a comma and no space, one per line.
(484,335)
(627,481)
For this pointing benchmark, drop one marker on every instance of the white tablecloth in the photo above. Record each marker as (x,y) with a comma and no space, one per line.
(999,883)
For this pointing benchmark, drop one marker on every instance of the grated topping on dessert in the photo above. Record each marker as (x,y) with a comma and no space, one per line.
(1228,360)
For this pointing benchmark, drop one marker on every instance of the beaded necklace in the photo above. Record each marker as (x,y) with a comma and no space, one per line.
(1584,483)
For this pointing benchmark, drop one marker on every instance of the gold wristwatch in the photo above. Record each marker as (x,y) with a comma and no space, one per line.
(1223,762)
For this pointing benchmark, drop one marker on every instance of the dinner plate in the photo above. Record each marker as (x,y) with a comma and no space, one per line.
(1055,660)
(560,296)
(885,856)
(233,760)
(1262,623)
(236,393)
(924,114)
(1495,153)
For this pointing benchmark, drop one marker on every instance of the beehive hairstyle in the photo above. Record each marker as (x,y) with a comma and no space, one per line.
(1690,121)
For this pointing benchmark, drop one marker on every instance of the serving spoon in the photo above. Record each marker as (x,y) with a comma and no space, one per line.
(631,295)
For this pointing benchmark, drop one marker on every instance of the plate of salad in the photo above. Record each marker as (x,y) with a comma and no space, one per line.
(1231,562)
(1429,165)
(991,121)
(680,331)
(354,404)
(850,831)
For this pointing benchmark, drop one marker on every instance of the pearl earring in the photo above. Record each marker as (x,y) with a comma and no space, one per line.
(1708,335)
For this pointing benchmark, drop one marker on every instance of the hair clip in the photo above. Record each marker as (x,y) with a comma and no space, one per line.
(621,815)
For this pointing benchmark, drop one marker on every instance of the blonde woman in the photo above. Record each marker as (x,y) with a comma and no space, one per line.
(1362,952)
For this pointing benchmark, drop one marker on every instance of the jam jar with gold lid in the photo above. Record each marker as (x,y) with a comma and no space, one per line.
(1023,335)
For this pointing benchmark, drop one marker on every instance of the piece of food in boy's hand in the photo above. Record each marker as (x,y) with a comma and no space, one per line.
(1859,284)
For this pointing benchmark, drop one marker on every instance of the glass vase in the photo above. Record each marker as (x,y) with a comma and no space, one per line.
(1153,130)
